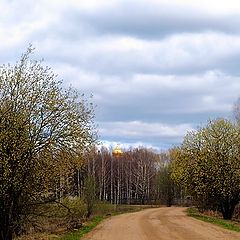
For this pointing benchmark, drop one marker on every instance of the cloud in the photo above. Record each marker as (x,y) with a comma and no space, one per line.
(49,26)
(137,133)
(129,145)
(138,129)
(156,19)
(119,56)
(151,97)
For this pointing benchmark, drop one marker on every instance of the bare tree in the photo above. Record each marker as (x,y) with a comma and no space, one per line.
(236,111)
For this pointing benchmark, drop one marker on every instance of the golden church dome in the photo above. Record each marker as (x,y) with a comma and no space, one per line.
(117,151)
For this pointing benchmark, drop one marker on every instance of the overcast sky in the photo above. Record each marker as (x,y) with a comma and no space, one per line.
(156,68)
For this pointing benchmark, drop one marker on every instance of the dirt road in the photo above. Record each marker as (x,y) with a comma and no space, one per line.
(158,224)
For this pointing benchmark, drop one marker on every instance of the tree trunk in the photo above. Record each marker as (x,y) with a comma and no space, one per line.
(227,213)
(111,194)
(6,232)
(227,209)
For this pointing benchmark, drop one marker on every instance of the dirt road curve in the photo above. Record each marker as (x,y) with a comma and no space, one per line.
(158,224)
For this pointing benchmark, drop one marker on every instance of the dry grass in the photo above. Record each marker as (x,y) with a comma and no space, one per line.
(54,220)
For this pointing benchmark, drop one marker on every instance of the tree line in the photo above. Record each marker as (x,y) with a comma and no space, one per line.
(128,179)
(138,176)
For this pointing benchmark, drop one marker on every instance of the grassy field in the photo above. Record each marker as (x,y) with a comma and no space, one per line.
(230,225)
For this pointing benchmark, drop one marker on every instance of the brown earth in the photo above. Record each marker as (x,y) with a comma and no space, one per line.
(158,224)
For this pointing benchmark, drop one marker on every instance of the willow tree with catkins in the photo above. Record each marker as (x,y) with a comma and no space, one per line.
(44,130)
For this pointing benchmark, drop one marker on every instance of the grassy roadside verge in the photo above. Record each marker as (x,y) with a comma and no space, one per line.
(76,235)
(92,223)
(230,225)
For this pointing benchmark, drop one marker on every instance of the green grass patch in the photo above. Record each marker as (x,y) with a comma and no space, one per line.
(227,224)
(76,235)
